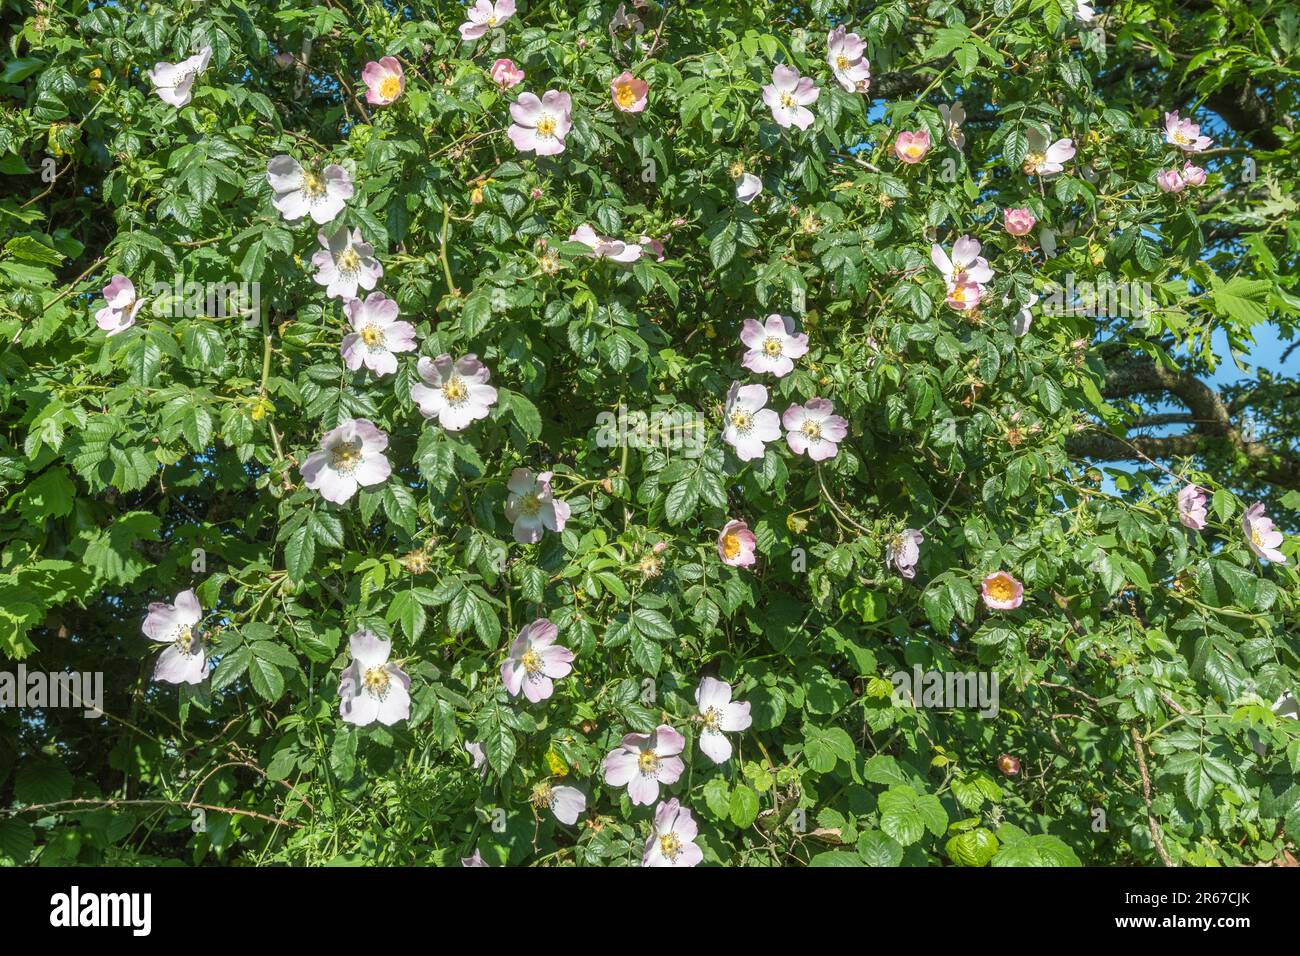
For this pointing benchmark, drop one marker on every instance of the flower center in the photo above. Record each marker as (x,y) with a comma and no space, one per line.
(529,504)
(492,20)
(670,846)
(546,126)
(543,794)
(842,62)
(373,336)
(625,96)
(348,261)
(532,662)
(1256,537)
(390,87)
(742,420)
(345,457)
(1000,589)
(376,681)
(648,762)
(730,545)
(1182,137)
(711,718)
(185,635)
(1034,161)
(812,429)
(772,346)
(914,149)
(455,391)
(313,185)
(787,101)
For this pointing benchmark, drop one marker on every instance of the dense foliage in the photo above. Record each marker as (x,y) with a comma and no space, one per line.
(149,446)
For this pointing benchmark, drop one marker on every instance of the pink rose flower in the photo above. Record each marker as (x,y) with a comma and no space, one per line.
(905,551)
(1018,222)
(671,841)
(788,97)
(814,430)
(1262,537)
(736,544)
(1191,507)
(629,93)
(644,761)
(1169,181)
(1193,175)
(371,688)
(719,715)
(351,456)
(1002,592)
(505,74)
(535,662)
(345,264)
(846,55)
(533,507)
(384,81)
(174,82)
(484,16)
(376,334)
(185,661)
(749,425)
(540,125)
(772,346)
(299,192)
(1044,159)
(602,247)
(120,306)
(456,393)
(911,147)
(1185,134)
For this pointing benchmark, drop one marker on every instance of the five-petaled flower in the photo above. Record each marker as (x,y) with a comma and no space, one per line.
(1191,507)
(788,96)
(1262,537)
(174,82)
(300,192)
(540,125)
(644,761)
(371,688)
(1044,159)
(736,544)
(772,346)
(532,506)
(456,393)
(185,661)
(350,456)
(905,551)
(813,429)
(628,93)
(376,334)
(672,840)
(566,802)
(345,263)
(1002,592)
(120,306)
(602,247)
(749,425)
(719,715)
(385,81)
(845,53)
(484,16)
(1185,134)
(505,74)
(748,188)
(911,146)
(535,662)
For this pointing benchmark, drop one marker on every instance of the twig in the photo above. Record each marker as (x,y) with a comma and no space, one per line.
(1146,795)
